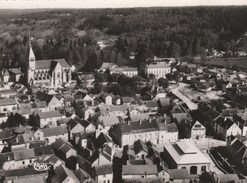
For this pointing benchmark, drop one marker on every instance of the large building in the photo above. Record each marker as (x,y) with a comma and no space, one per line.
(185,155)
(156,131)
(159,69)
(53,73)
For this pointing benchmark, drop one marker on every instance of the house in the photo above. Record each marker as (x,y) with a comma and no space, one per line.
(139,171)
(52,101)
(212,177)
(238,150)
(63,149)
(48,119)
(140,149)
(64,175)
(83,176)
(103,173)
(151,105)
(106,98)
(8,105)
(23,158)
(55,161)
(106,122)
(49,135)
(87,112)
(198,131)
(179,175)
(228,127)
(185,155)
(11,75)
(27,175)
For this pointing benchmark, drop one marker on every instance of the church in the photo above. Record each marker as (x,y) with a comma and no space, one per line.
(52,73)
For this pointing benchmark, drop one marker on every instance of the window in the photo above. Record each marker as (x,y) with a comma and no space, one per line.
(193,170)
(30,161)
(203,169)
(108,181)
(23,162)
(183,167)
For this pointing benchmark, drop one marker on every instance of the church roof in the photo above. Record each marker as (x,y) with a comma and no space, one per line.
(46,64)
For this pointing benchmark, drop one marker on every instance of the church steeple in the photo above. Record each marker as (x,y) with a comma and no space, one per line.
(31,58)
(31,63)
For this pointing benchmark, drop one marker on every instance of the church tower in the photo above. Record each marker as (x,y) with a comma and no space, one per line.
(31,64)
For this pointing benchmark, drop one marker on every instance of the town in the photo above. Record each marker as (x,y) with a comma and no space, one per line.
(184,122)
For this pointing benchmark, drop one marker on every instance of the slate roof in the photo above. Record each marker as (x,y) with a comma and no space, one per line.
(61,173)
(164,102)
(101,140)
(219,120)
(46,64)
(227,123)
(6,134)
(103,169)
(139,146)
(139,126)
(43,151)
(179,174)
(140,170)
(83,175)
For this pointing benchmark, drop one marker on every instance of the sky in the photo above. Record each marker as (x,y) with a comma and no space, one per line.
(29,4)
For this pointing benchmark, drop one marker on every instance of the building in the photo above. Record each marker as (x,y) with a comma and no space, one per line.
(7,105)
(198,131)
(155,130)
(52,73)
(139,171)
(11,75)
(159,69)
(49,135)
(185,155)
(48,119)
(23,158)
(103,173)
(64,175)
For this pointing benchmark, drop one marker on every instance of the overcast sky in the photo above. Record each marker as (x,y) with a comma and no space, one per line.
(23,4)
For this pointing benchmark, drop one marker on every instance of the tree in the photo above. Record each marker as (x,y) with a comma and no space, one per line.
(164,83)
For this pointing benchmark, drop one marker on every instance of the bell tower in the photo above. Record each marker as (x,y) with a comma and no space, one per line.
(31,64)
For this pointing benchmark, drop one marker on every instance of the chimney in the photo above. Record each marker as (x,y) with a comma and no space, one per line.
(150,120)
(140,121)
(77,166)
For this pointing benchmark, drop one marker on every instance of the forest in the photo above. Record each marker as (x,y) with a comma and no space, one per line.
(73,34)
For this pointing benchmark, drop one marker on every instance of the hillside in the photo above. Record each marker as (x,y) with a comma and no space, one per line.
(73,34)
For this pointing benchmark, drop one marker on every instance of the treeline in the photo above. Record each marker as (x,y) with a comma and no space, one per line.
(142,32)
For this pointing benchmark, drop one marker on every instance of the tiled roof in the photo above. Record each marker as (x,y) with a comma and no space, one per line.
(7,101)
(140,170)
(151,103)
(59,130)
(178,174)
(6,134)
(24,154)
(36,179)
(49,114)
(22,172)
(109,120)
(103,169)
(171,127)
